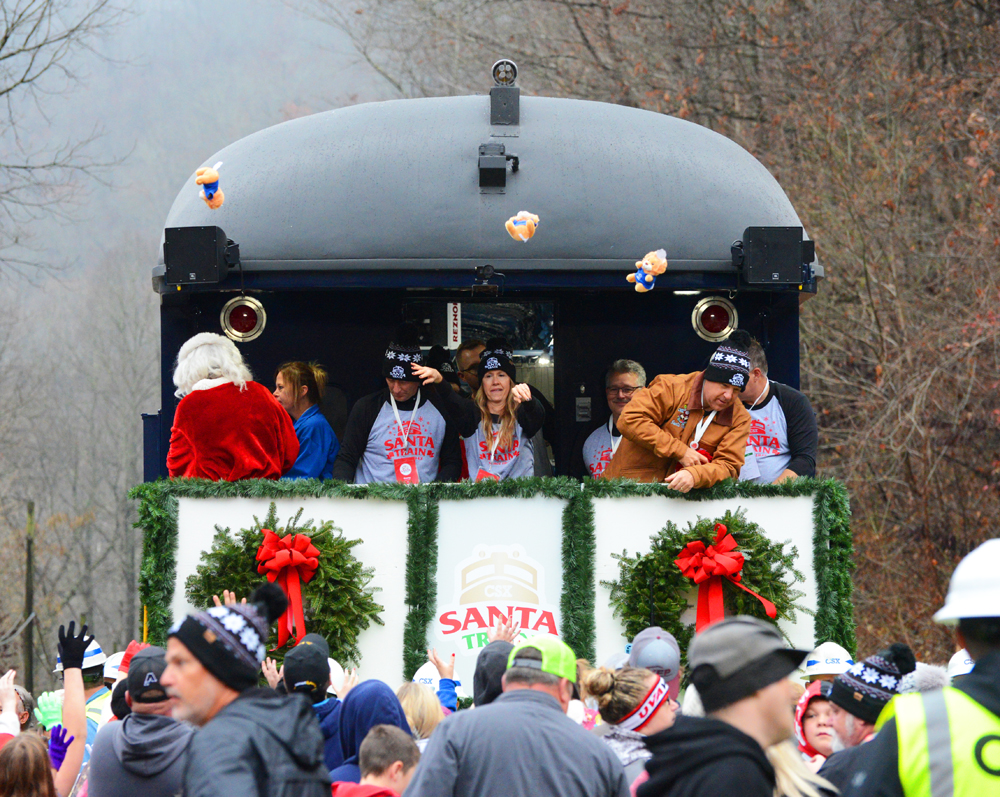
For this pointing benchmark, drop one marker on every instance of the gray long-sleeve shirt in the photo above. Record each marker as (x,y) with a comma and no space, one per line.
(520,745)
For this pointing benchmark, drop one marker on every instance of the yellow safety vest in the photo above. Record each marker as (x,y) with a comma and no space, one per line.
(96,704)
(949,745)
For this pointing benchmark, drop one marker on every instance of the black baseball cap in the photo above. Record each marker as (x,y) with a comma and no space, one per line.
(144,673)
(318,641)
(307,670)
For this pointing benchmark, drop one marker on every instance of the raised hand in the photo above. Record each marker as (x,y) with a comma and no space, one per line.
(49,710)
(272,673)
(445,667)
(228,597)
(426,374)
(520,393)
(505,630)
(58,745)
(72,648)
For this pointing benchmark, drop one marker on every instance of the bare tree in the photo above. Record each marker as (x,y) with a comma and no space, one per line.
(40,45)
(880,121)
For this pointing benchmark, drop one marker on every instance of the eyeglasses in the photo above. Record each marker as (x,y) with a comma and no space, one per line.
(625,391)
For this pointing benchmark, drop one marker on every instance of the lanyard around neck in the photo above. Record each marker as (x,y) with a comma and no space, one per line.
(405,432)
(703,424)
(615,441)
(765,392)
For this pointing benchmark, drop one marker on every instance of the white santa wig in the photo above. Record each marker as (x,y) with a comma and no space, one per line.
(209,356)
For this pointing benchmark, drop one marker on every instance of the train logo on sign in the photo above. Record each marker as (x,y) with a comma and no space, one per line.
(496,584)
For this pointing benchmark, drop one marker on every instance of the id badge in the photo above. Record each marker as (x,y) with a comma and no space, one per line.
(483,475)
(406,470)
(751,468)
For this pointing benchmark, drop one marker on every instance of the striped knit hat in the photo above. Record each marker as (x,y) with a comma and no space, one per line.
(231,641)
(865,688)
(730,364)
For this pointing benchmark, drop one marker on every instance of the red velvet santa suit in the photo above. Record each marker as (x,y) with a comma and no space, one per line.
(225,434)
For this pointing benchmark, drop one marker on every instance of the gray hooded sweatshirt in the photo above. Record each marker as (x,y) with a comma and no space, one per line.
(144,754)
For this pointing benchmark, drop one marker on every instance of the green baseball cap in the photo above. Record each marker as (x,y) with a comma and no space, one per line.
(558,658)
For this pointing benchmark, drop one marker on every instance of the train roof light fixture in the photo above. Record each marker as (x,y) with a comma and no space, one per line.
(713,318)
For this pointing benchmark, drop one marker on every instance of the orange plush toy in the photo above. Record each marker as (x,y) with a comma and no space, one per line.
(647,270)
(522,226)
(210,192)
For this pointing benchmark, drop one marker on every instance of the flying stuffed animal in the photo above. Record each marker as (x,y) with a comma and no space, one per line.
(522,226)
(647,270)
(210,192)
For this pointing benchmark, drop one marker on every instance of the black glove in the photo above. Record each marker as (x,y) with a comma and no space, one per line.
(71,647)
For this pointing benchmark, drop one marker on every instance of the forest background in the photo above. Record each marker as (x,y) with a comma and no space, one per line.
(881,120)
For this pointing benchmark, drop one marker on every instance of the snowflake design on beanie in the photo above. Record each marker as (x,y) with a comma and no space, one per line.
(888,682)
(404,357)
(234,622)
(218,612)
(397,372)
(390,354)
(418,358)
(250,639)
(870,675)
(857,669)
(492,364)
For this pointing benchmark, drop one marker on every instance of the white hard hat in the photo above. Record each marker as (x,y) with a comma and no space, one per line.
(961,664)
(974,590)
(428,676)
(336,676)
(112,664)
(828,659)
(93,656)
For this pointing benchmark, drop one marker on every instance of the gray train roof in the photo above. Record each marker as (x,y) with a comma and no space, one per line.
(395,185)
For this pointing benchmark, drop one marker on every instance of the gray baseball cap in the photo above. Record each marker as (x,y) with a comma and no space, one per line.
(656,650)
(736,657)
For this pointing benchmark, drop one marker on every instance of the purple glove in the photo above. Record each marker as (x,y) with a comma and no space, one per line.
(58,745)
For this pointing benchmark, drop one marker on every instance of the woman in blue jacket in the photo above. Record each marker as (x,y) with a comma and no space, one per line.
(298,387)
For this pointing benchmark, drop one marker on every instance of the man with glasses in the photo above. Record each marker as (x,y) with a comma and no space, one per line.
(591,457)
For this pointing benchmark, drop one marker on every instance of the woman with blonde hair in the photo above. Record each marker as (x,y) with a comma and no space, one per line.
(498,424)
(422,710)
(226,426)
(26,769)
(299,388)
(635,703)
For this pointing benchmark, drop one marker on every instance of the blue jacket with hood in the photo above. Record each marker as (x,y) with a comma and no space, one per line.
(368,704)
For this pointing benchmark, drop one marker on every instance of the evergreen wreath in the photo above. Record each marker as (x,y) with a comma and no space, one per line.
(651,590)
(338,603)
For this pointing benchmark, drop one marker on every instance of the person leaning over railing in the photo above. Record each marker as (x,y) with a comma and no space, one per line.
(688,430)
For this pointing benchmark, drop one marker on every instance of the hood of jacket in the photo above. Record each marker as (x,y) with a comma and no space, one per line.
(146,744)
(347,789)
(368,704)
(693,743)
(285,720)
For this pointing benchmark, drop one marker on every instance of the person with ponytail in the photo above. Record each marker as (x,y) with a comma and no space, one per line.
(251,742)
(299,387)
(498,424)
(634,703)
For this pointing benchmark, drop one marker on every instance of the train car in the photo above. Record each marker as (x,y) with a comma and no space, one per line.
(339,226)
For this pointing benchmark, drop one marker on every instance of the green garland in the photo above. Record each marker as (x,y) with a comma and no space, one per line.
(832,543)
(651,590)
(337,602)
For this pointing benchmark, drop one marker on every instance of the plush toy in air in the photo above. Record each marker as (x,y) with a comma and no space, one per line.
(522,226)
(210,192)
(647,270)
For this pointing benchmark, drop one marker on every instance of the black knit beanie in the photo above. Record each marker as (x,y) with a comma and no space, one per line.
(865,688)
(491,664)
(231,641)
(497,357)
(730,364)
(402,354)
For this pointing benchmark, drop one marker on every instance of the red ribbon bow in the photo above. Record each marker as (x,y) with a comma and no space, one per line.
(707,566)
(291,561)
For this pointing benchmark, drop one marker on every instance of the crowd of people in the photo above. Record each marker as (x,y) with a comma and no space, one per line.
(747,715)
(439,420)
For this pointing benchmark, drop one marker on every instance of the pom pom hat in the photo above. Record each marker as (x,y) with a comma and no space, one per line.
(730,364)
(231,641)
(867,686)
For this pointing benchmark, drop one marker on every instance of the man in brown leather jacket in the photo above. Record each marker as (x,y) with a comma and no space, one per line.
(688,430)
